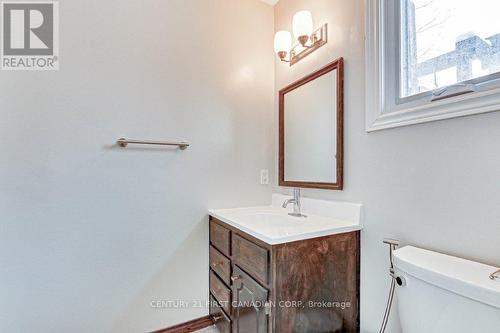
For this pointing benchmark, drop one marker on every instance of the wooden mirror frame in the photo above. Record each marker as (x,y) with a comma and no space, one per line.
(338,65)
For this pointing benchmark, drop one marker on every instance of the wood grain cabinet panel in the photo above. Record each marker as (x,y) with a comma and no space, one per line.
(220,238)
(322,274)
(251,257)
(220,265)
(221,293)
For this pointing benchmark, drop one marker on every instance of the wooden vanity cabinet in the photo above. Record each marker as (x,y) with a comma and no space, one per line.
(303,286)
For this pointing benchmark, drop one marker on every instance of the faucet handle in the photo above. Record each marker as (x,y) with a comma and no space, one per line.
(296,194)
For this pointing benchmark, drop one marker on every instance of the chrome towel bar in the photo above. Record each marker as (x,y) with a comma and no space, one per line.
(124,142)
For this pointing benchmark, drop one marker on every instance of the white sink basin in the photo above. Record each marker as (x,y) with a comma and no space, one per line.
(273,225)
(263,219)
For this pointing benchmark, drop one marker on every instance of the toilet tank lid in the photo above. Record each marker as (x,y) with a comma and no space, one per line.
(464,277)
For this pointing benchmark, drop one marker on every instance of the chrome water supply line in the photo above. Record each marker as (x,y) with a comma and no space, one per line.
(399,280)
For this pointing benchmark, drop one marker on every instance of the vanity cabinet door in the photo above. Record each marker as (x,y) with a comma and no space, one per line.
(249,302)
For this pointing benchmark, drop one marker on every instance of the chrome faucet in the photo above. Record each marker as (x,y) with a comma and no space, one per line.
(296,203)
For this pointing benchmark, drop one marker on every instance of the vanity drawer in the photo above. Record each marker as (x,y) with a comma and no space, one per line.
(219,237)
(221,265)
(221,320)
(251,257)
(221,293)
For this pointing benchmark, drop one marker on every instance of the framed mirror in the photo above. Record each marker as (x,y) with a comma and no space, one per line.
(311,130)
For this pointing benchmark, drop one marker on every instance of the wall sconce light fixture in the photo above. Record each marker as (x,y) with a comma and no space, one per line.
(308,40)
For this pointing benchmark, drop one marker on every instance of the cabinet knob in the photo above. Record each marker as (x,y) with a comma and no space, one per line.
(218,317)
(235,278)
(215,264)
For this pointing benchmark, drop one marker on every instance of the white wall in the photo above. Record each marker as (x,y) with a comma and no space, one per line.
(91,233)
(435,185)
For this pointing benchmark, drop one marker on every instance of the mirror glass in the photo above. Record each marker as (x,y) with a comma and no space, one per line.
(311,130)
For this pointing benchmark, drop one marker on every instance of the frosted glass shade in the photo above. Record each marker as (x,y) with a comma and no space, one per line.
(282,41)
(302,24)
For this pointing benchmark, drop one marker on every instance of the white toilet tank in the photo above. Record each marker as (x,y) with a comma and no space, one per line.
(445,294)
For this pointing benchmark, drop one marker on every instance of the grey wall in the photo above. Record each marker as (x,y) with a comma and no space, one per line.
(435,185)
(90,233)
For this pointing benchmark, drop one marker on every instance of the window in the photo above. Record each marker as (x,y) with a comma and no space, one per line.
(431,59)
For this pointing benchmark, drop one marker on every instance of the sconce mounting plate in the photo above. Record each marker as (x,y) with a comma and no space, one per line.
(317,40)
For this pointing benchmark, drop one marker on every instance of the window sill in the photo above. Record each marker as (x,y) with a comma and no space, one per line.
(459,106)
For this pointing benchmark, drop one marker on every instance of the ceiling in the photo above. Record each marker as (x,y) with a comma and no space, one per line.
(270,2)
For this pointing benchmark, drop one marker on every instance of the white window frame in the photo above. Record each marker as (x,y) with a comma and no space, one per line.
(384,108)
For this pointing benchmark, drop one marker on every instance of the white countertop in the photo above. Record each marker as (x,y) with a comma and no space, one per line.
(272,224)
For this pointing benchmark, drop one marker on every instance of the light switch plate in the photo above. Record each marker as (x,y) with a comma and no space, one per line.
(264,177)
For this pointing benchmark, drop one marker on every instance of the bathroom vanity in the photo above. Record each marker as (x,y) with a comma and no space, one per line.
(270,272)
